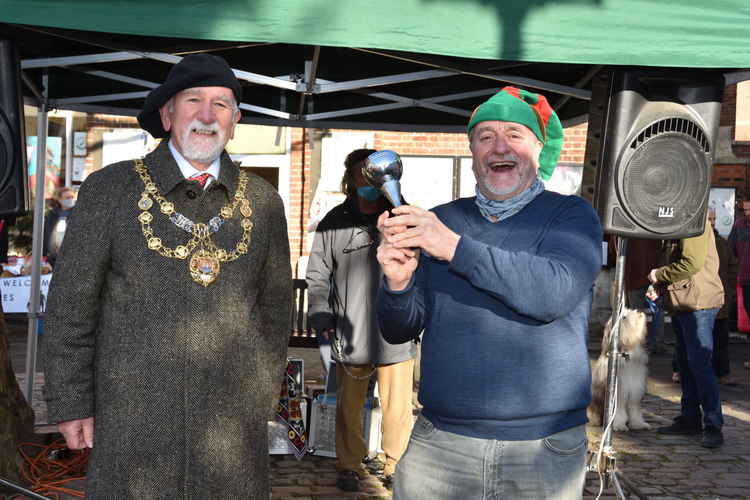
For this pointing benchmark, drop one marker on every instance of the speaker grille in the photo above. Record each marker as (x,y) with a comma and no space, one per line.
(679,125)
(664,179)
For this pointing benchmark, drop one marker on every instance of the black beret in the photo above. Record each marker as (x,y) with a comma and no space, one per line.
(194,70)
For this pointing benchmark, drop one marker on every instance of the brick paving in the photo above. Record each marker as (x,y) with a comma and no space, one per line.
(660,467)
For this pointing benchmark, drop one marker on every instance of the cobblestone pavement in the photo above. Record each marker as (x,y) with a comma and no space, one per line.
(660,467)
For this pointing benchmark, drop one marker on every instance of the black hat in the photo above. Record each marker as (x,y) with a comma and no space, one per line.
(195,70)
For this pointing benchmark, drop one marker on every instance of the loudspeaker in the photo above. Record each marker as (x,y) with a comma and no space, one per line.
(14,191)
(655,161)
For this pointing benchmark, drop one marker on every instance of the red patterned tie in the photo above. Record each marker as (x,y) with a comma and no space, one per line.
(201,178)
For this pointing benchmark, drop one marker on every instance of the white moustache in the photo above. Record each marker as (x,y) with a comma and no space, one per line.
(201,128)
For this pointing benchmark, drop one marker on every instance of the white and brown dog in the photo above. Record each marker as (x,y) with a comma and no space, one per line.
(632,373)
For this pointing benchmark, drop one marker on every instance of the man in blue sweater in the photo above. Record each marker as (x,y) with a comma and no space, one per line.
(501,284)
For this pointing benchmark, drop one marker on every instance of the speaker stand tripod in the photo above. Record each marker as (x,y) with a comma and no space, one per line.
(23,491)
(605,461)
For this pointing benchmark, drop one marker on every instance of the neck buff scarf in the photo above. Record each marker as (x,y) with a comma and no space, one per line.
(495,211)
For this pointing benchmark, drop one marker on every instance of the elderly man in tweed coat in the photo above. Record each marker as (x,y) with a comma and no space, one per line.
(169,308)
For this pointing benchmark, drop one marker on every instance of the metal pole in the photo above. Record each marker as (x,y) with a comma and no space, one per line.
(22,490)
(36,247)
(608,459)
(614,353)
(68,148)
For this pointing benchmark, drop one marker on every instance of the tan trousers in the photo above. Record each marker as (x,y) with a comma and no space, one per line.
(395,391)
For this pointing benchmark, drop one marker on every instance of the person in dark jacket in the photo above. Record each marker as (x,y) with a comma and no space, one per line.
(55,222)
(727,272)
(502,284)
(739,242)
(168,313)
(342,278)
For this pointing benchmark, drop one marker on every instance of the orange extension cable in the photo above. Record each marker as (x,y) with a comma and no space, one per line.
(48,476)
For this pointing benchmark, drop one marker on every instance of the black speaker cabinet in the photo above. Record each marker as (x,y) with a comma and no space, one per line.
(655,162)
(14,191)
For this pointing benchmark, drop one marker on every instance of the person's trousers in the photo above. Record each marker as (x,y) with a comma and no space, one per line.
(395,393)
(746,298)
(441,465)
(721,349)
(700,387)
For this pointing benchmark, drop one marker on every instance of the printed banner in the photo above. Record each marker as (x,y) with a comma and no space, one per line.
(289,411)
(16,291)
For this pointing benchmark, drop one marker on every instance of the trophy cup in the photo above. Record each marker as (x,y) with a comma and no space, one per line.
(383,169)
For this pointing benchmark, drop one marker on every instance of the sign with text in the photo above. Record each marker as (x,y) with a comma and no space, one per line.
(16,290)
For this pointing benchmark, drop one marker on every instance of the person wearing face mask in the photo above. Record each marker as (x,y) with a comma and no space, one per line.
(343,277)
(62,203)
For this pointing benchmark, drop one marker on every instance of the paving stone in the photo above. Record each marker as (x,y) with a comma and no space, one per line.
(282,481)
(651,491)
(732,492)
(718,458)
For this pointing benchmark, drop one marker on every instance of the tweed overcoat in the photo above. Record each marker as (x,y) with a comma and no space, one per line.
(180,378)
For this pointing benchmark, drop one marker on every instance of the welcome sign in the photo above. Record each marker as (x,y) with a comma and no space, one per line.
(16,290)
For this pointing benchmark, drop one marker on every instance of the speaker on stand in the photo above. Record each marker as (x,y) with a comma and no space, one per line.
(653,181)
(655,161)
(14,191)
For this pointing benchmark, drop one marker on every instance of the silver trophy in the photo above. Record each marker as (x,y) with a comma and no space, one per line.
(383,169)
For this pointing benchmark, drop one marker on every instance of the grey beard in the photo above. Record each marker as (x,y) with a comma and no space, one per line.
(195,152)
(498,191)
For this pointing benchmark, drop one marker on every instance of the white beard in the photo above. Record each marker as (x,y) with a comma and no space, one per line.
(206,148)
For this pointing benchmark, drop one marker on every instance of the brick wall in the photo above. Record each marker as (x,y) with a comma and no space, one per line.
(574,145)
(728,104)
(421,144)
(299,194)
(735,108)
(730,176)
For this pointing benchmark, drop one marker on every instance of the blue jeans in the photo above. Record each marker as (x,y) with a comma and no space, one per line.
(441,465)
(694,344)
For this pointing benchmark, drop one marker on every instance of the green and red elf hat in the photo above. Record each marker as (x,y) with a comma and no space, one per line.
(515,105)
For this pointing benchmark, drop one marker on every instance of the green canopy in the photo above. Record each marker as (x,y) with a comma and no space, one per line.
(398,64)
(686,33)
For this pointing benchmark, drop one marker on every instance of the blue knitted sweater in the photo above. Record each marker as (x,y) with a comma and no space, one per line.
(505,323)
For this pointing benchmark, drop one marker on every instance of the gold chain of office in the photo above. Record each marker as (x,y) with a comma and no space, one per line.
(204,264)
